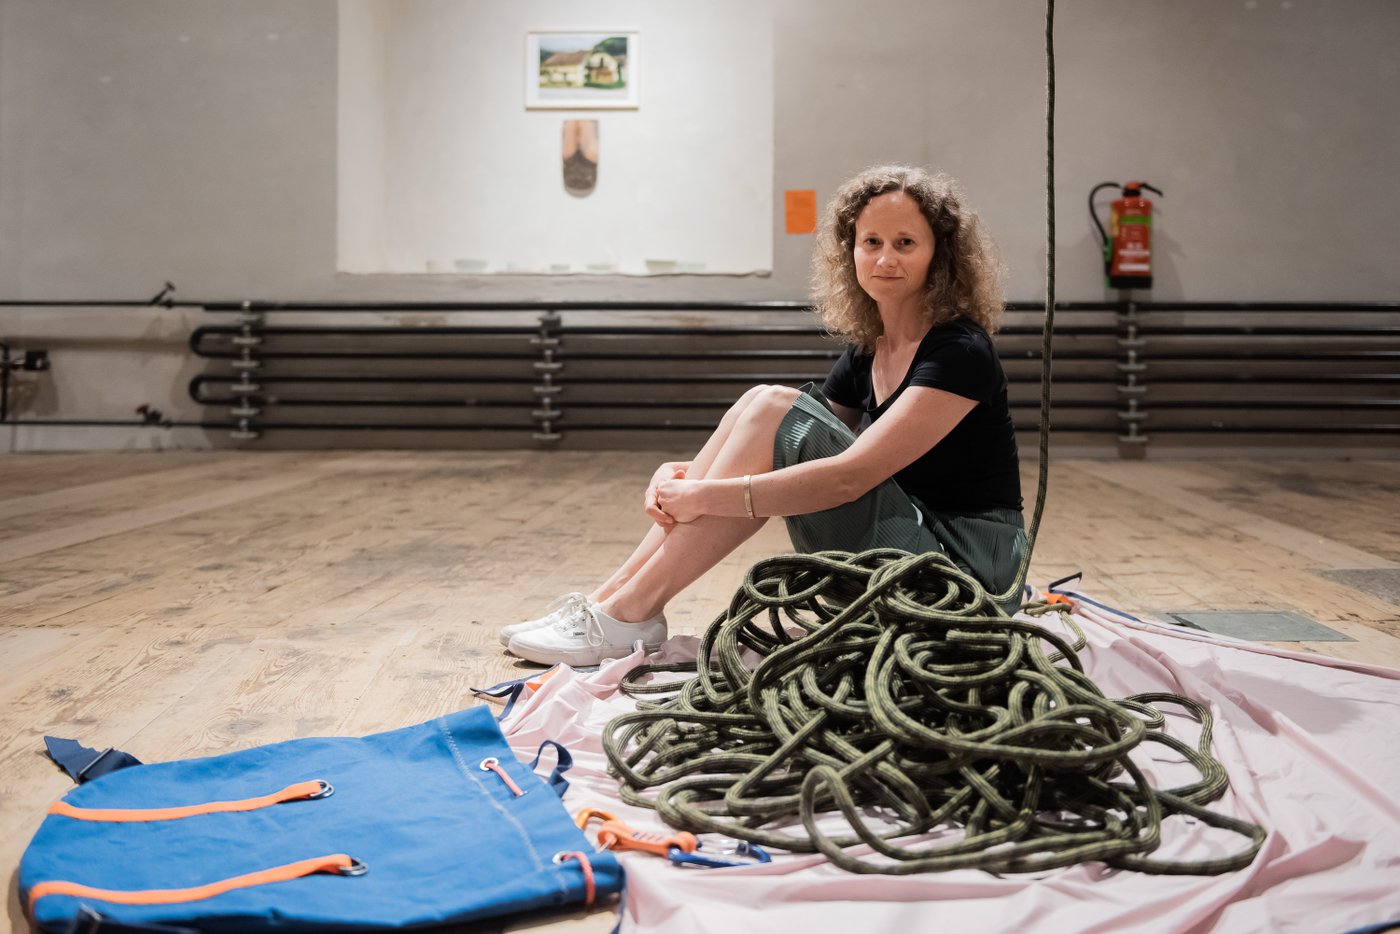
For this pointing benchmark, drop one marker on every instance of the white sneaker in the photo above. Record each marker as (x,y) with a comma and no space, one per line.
(563,606)
(582,635)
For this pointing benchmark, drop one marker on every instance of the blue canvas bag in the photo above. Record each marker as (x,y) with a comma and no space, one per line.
(430,824)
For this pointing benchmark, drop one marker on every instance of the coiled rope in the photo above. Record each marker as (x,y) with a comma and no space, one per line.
(891,688)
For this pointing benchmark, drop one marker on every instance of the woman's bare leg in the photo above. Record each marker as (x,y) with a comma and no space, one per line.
(687,550)
(699,469)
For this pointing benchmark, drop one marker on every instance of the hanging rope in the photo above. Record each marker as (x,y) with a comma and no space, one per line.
(892,690)
(1047,330)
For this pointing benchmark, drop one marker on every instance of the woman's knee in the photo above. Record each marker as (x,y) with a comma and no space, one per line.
(743,402)
(767,398)
(770,403)
(775,399)
(752,395)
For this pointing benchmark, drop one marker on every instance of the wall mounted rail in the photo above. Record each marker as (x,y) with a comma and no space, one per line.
(1124,370)
(656,368)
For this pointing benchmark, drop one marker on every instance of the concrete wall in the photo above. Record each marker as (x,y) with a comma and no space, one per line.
(1269,124)
(465,171)
(196,141)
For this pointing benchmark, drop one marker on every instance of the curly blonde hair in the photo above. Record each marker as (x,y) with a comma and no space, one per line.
(964,278)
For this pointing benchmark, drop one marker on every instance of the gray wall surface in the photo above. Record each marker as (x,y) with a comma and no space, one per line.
(195,141)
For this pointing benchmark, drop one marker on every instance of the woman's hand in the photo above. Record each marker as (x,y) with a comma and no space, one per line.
(679,499)
(668,471)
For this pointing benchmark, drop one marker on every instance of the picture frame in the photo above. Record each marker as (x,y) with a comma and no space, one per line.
(582,70)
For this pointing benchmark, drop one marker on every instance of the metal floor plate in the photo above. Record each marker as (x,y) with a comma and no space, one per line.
(1382,582)
(1273,626)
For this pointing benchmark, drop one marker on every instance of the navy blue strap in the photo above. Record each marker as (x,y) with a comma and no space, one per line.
(87,921)
(755,853)
(1056,585)
(1378,928)
(511,696)
(511,691)
(1103,606)
(508,692)
(83,764)
(556,778)
(621,903)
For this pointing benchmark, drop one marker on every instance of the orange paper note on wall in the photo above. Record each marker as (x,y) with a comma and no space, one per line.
(801,210)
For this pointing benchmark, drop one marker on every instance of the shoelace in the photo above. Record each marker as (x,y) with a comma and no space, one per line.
(576,598)
(577,619)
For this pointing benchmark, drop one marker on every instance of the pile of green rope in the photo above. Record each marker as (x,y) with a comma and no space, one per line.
(889,687)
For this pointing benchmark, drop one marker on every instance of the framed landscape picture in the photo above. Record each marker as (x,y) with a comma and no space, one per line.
(581,70)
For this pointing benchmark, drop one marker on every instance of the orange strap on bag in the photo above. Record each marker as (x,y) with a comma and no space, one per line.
(299,792)
(338,863)
(590,888)
(492,764)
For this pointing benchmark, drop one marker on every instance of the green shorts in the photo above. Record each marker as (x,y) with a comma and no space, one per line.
(987,545)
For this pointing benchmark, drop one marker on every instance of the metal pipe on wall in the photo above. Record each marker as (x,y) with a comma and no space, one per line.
(1195,356)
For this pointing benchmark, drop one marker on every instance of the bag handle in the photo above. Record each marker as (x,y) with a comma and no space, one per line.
(563,763)
(301,791)
(337,863)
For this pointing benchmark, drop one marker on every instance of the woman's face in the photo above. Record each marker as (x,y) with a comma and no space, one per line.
(893,249)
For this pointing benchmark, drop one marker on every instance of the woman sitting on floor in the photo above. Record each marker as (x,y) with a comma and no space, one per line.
(905,274)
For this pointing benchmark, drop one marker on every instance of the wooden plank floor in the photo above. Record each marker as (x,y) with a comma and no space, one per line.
(181,604)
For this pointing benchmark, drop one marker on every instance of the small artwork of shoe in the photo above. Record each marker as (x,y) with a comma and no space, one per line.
(583,635)
(565,604)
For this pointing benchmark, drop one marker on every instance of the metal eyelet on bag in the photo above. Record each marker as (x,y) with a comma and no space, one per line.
(327,789)
(356,868)
(487,763)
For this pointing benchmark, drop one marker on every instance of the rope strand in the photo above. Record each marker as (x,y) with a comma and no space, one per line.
(1047,332)
(893,682)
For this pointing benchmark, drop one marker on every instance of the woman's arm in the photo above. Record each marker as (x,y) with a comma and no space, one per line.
(919,419)
(849,417)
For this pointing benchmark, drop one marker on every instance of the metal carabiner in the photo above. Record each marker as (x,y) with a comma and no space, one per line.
(616,834)
(756,854)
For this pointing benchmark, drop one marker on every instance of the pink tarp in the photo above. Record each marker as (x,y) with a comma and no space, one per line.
(1310,745)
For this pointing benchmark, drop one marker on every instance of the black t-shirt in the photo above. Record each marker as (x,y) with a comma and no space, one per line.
(975,467)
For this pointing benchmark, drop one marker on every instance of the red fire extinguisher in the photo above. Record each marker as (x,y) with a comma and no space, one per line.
(1127,244)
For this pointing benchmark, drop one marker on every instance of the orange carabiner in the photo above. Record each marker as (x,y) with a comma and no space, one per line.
(1054,598)
(587,814)
(615,834)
